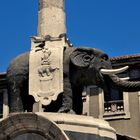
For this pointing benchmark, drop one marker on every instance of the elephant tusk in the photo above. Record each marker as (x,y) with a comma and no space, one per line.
(125,79)
(113,71)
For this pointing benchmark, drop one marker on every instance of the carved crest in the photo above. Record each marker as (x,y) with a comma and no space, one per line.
(46,73)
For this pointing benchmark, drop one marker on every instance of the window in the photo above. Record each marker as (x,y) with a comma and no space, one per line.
(108,106)
(114,105)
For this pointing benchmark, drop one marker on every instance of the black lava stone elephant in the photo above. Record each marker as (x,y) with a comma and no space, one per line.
(82,66)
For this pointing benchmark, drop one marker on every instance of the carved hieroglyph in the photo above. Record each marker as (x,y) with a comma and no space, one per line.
(46,71)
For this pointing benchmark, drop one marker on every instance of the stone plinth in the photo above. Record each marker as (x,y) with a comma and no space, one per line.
(30,126)
(54,126)
(78,127)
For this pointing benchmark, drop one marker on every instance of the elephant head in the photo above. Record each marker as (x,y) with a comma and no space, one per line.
(94,68)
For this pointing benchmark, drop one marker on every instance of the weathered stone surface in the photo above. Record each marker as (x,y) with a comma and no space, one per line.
(46,71)
(54,126)
(46,63)
(78,127)
(49,3)
(30,126)
(51,18)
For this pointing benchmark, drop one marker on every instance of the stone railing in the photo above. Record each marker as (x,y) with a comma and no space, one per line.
(114,107)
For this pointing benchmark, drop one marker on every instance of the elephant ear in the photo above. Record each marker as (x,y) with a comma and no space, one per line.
(82,57)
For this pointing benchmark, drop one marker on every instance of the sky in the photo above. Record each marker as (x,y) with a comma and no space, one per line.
(110,25)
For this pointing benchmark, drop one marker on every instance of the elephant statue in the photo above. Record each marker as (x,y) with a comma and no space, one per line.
(82,67)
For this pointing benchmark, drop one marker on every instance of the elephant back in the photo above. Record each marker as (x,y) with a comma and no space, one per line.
(19,65)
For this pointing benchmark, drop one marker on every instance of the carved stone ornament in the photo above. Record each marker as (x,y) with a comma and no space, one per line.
(46,72)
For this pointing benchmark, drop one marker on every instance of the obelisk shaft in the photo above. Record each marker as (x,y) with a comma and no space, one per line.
(51,18)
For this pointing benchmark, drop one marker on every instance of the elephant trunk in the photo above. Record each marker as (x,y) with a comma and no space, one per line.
(128,86)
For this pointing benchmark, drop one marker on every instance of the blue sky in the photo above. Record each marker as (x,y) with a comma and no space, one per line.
(110,25)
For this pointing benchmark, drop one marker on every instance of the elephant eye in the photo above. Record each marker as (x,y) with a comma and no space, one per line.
(86,58)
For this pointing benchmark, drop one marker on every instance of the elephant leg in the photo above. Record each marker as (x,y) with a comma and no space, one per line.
(15,101)
(14,84)
(67,98)
(28,102)
(77,99)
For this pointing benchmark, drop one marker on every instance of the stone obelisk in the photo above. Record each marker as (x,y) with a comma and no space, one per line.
(46,56)
(51,18)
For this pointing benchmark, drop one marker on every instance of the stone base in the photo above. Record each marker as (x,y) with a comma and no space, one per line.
(54,126)
(78,127)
